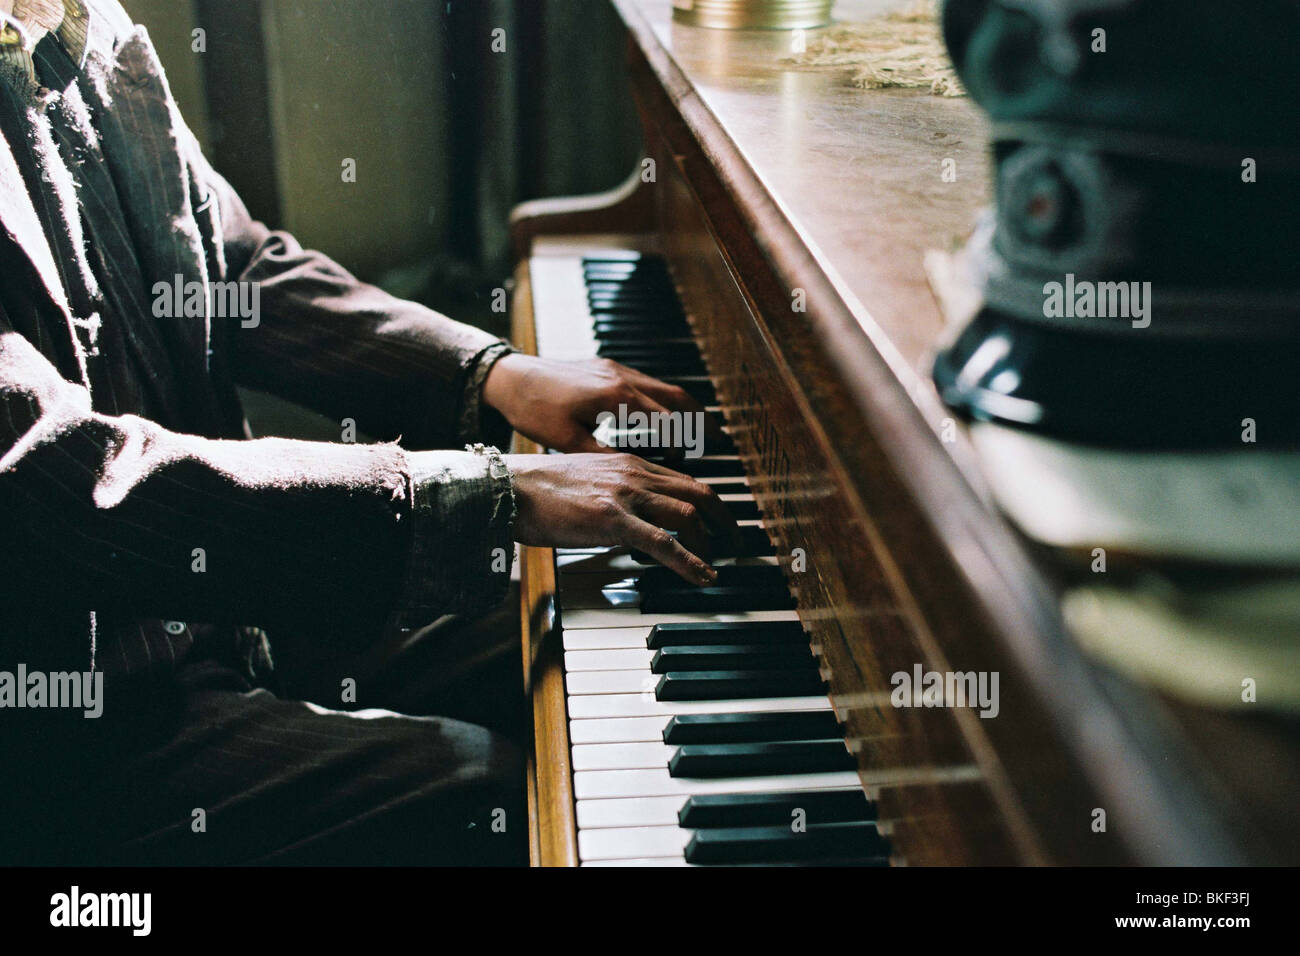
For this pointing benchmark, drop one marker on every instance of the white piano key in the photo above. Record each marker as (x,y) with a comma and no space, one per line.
(624,756)
(564,326)
(625,842)
(679,860)
(628,812)
(601,784)
(594,597)
(632,617)
(593,706)
(620,659)
(617,730)
(611,682)
(589,579)
(601,638)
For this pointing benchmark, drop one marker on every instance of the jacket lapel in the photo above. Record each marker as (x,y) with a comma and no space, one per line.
(20,222)
(140,128)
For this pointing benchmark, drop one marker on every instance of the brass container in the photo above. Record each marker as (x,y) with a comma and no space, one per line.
(753,14)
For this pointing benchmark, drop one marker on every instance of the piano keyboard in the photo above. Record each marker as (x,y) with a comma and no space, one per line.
(699,722)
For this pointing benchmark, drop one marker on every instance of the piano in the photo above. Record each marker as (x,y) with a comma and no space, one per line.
(767,256)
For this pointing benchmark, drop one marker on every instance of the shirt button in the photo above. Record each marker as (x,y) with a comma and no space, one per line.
(174,627)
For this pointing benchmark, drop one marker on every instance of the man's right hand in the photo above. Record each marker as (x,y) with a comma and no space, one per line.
(596,500)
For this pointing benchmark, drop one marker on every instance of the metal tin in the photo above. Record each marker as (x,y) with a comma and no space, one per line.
(754,14)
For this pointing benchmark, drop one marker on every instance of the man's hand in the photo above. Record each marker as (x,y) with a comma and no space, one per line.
(556,403)
(575,501)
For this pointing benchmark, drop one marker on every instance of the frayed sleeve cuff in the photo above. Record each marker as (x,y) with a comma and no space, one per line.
(462,551)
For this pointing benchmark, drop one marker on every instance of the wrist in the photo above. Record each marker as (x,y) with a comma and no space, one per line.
(502,380)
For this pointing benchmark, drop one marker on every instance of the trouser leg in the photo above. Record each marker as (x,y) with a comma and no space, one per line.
(249,778)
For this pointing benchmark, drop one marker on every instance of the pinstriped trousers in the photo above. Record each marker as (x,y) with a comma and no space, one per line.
(231,774)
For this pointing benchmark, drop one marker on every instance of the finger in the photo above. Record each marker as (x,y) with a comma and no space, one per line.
(680,516)
(576,440)
(712,509)
(665,549)
(678,399)
(660,436)
(584,442)
(671,396)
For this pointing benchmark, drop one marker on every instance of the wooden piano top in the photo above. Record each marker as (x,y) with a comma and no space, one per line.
(855,174)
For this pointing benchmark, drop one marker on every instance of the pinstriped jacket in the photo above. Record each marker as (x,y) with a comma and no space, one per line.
(124,522)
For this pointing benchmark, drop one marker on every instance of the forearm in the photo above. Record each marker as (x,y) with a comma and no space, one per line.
(115,512)
(351,351)
(340,346)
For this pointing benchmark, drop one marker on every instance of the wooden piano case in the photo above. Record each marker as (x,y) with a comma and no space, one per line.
(885,534)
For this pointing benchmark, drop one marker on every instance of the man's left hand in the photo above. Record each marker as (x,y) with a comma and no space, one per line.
(557,403)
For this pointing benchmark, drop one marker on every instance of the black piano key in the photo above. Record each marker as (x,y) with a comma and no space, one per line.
(629,315)
(648,265)
(621,256)
(624,310)
(612,272)
(610,331)
(652,320)
(603,281)
(684,352)
(715,600)
(753,543)
(648,268)
(739,685)
(658,368)
(641,330)
(716,444)
(729,487)
(645,361)
(743,510)
(720,444)
(698,387)
(656,345)
(704,467)
(726,632)
(751,728)
(634,293)
(649,306)
(858,841)
(614,279)
(640,278)
(646,297)
(708,811)
(708,761)
(722,657)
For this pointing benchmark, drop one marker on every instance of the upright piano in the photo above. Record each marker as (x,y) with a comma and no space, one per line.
(767,254)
